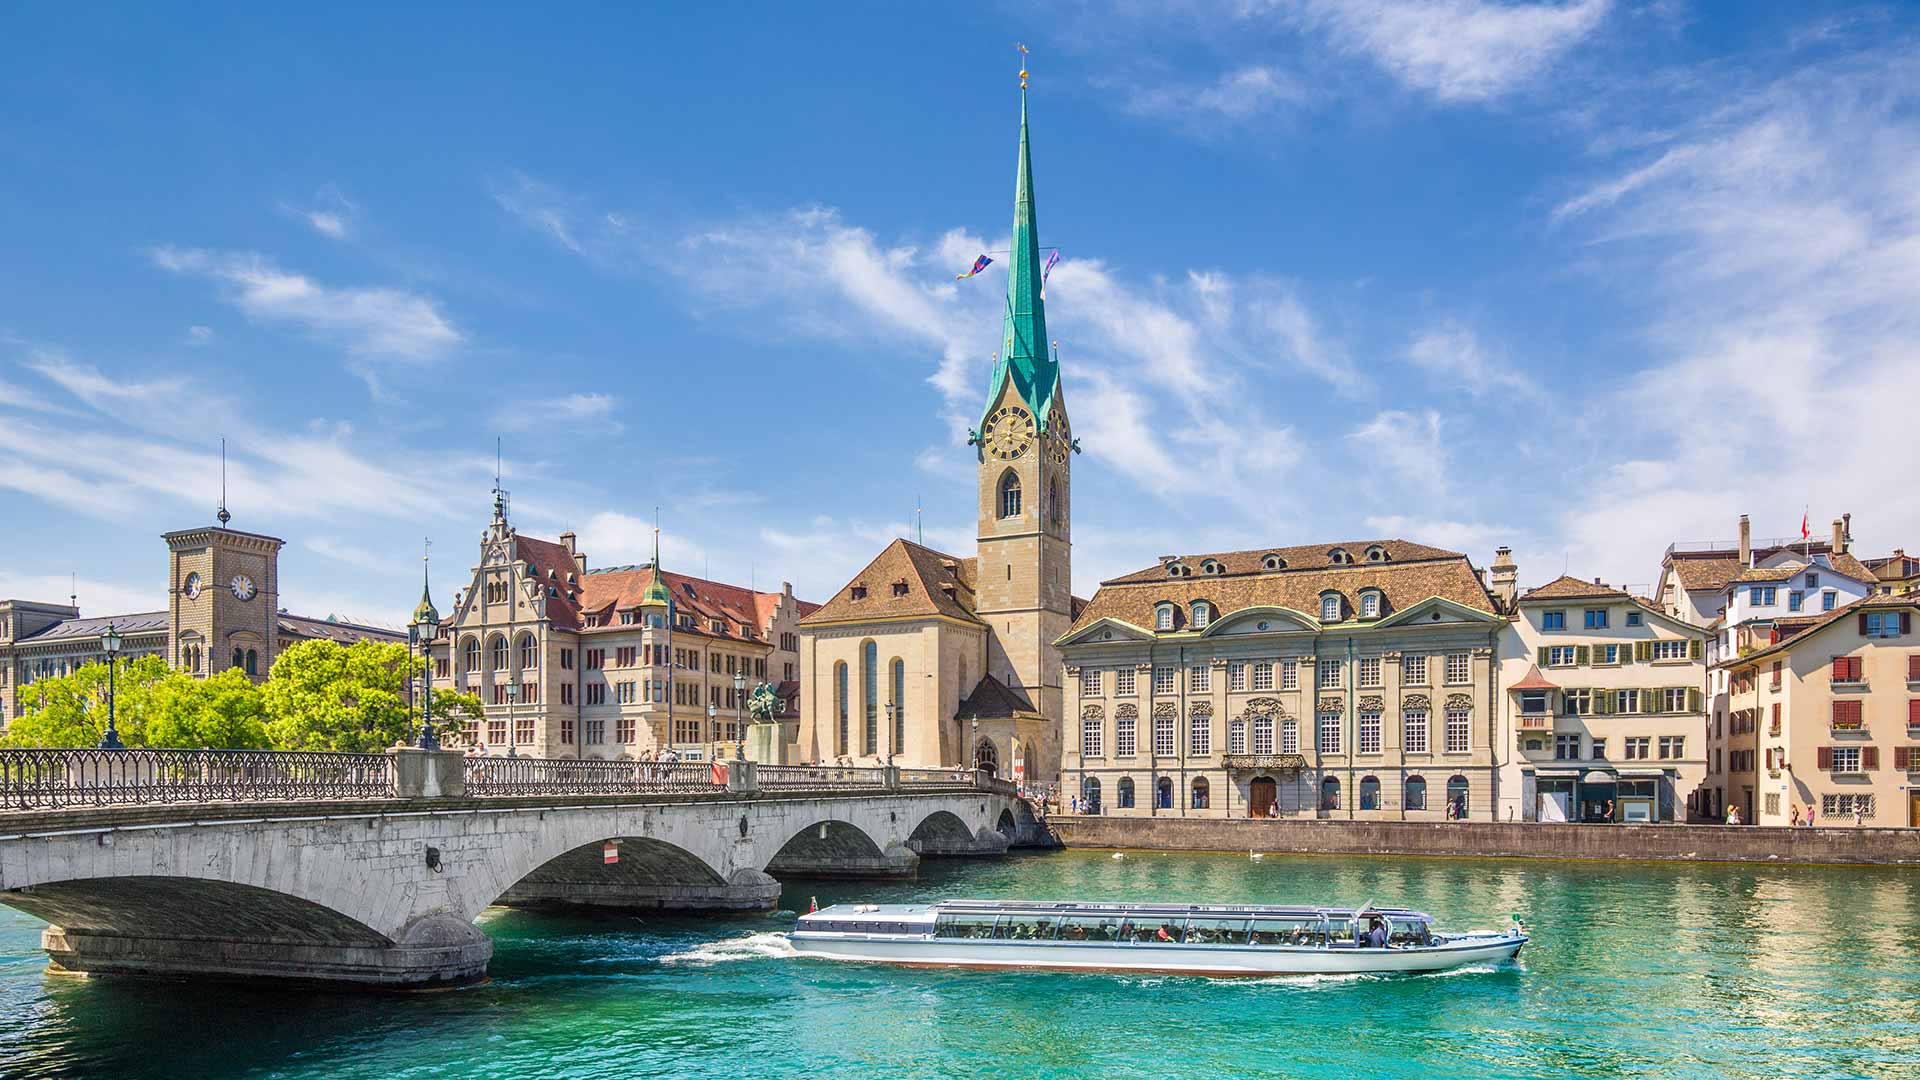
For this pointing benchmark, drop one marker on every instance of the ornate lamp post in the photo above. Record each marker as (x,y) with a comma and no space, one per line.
(974,744)
(893,711)
(739,720)
(513,727)
(428,740)
(110,643)
(713,721)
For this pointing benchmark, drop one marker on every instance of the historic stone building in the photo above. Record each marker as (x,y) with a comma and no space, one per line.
(609,663)
(223,611)
(1352,680)
(929,659)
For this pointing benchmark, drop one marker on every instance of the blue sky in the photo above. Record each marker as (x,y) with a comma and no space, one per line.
(1579,277)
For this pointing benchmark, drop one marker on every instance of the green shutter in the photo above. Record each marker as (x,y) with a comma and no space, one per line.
(1542,656)
(1643,650)
(1603,702)
(1582,655)
(1693,649)
(1693,695)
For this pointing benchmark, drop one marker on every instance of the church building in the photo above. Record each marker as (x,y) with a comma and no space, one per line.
(929,659)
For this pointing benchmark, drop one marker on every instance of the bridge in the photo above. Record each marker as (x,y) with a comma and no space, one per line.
(371,868)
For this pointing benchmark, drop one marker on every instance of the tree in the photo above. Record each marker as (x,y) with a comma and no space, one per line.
(453,711)
(321,695)
(71,709)
(224,711)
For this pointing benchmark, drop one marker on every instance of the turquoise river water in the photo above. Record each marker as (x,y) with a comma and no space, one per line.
(1650,970)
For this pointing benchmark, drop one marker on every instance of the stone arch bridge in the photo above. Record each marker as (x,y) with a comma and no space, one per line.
(371,869)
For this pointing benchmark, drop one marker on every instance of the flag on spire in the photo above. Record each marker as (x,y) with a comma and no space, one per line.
(1052,257)
(979,264)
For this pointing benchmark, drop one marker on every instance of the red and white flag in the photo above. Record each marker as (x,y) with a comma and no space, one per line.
(1805,532)
(610,852)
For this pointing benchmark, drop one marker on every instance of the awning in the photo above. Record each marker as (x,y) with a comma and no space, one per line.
(1599,776)
(1557,774)
(1642,774)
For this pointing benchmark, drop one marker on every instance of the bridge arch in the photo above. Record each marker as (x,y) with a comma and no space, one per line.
(637,872)
(834,847)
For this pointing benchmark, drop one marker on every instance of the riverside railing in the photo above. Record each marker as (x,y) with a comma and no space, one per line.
(820,777)
(565,776)
(51,778)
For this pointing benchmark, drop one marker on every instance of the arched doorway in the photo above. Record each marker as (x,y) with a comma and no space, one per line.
(986,757)
(1457,797)
(1262,794)
(1125,798)
(1369,793)
(1163,793)
(1090,795)
(1200,794)
(1330,793)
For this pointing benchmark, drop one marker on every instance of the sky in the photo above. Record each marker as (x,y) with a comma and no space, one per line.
(1580,277)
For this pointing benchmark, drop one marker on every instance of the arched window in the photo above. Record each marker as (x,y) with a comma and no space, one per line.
(1201,615)
(1369,605)
(1200,793)
(870,685)
(1273,562)
(1212,566)
(1163,793)
(840,706)
(497,653)
(1163,617)
(1010,495)
(899,705)
(1376,553)
(1330,793)
(1416,793)
(1090,795)
(1330,607)
(470,655)
(1125,800)
(240,659)
(987,756)
(529,652)
(1053,501)
(1369,793)
(253,662)
(1457,797)
(1340,557)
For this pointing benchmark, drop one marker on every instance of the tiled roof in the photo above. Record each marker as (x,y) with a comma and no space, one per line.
(332,629)
(1766,573)
(141,623)
(1534,680)
(1870,603)
(1715,568)
(1413,573)
(1299,557)
(993,700)
(553,566)
(1846,563)
(1567,587)
(904,580)
(1712,572)
(604,593)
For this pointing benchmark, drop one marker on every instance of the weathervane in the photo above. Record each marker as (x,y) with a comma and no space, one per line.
(1023,65)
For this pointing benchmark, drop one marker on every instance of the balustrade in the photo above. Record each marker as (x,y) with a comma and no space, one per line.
(51,778)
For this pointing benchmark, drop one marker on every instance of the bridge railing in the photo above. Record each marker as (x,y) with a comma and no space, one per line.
(820,777)
(51,778)
(565,776)
(935,777)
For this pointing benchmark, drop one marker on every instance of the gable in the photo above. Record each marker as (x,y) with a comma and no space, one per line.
(1266,619)
(1104,630)
(1438,611)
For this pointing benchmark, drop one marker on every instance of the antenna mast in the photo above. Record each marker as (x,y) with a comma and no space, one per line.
(222,514)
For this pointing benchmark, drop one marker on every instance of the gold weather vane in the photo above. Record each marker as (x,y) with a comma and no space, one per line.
(1023,64)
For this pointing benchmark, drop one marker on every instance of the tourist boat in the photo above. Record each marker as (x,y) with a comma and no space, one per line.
(1182,939)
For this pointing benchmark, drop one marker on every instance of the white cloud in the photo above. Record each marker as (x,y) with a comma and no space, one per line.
(368,321)
(1236,95)
(574,408)
(1457,50)
(546,210)
(1407,448)
(199,335)
(332,214)
(96,597)
(1457,357)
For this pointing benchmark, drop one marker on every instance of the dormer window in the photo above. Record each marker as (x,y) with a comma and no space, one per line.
(1212,566)
(1177,569)
(1369,605)
(1376,553)
(1201,614)
(1272,562)
(858,592)
(1330,607)
(627,618)
(899,588)
(719,626)
(1340,557)
(1163,617)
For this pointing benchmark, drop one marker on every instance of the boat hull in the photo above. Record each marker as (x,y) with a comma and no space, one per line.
(1219,961)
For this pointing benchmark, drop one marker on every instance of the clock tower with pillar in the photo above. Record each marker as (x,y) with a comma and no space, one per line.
(223,600)
(1025,451)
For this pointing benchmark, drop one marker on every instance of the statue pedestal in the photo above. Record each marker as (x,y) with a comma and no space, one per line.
(766,743)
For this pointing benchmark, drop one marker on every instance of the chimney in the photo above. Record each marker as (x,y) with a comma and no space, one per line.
(1506,577)
(1597,581)
(566,541)
(1847,532)
(579,559)
(1746,541)
(1839,543)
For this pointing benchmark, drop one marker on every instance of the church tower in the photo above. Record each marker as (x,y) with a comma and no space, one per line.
(1025,451)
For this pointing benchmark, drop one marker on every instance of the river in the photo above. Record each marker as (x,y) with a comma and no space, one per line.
(1635,970)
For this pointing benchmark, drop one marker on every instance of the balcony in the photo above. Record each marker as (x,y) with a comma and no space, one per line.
(1536,721)
(1265,762)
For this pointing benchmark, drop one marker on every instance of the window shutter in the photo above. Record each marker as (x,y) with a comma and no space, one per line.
(1869,757)
(1582,655)
(1906,623)
(1824,758)
(1693,649)
(1542,656)
(1913,668)
(1902,758)
(1602,702)
(1863,624)
(1643,650)
(1839,669)
(1693,697)
(1913,712)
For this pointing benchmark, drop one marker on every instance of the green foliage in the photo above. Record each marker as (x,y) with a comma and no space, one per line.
(453,710)
(322,695)
(223,711)
(71,709)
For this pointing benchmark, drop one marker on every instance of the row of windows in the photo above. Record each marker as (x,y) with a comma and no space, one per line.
(896,706)
(625,730)
(1414,796)
(1273,561)
(1257,735)
(1591,619)
(1333,607)
(624,656)
(1010,503)
(1260,674)
(1607,655)
(1586,701)
(1635,748)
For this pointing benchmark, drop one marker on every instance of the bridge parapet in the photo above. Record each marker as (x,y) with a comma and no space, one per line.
(56,778)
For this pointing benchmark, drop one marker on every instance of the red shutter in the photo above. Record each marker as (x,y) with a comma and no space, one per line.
(1854,669)
(1869,757)
(1839,669)
(1863,624)
(1824,758)
(1902,755)
(1913,668)
(1913,712)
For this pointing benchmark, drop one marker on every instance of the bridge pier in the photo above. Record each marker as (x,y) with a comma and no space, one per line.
(944,846)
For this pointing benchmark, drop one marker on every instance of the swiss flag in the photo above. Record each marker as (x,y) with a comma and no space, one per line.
(720,773)
(1804,531)
(610,852)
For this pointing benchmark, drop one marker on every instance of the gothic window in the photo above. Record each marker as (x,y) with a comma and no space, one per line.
(870,683)
(529,652)
(1010,495)
(470,655)
(840,705)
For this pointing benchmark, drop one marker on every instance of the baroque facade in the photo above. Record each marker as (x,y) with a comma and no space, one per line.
(611,663)
(223,611)
(1352,680)
(931,659)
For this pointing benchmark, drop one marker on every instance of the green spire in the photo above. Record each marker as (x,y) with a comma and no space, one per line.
(426,613)
(1024,356)
(657,594)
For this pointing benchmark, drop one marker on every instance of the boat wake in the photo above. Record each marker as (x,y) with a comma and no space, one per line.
(760,946)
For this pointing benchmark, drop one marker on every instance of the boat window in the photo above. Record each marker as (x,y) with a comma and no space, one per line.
(1216,931)
(963,926)
(1293,931)
(1340,930)
(1152,929)
(1409,932)
(1089,928)
(1025,928)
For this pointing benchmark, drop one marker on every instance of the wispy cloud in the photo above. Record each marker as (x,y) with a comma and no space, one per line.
(544,208)
(200,335)
(1455,50)
(575,408)
(1240,94)
(375,322)
(331,215)
(1457,358)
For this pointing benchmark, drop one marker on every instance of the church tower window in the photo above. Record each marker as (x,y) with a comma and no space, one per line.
(1010,495)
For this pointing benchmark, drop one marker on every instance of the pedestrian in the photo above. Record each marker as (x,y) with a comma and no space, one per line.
(1859,816)
(1796,815)
(1733,815)
(1809,815)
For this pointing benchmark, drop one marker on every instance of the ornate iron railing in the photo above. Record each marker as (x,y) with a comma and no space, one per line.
(43,779)
(821,777)
(936,777)
(568,776)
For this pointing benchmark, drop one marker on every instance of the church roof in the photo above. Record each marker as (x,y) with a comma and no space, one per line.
(993,700)
(739,610)
(905,579)
(1024,356)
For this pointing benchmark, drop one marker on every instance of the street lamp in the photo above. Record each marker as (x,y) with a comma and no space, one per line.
(110,642)
(975,744)
(739,724)
(428,740)
(713,723)
(893,711)
(513,727)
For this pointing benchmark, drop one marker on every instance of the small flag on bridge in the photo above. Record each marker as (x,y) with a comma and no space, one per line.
(813,904)
(720,773)
(610,852)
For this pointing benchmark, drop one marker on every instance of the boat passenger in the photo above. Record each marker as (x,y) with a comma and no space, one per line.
(1377,937)
(1165,933)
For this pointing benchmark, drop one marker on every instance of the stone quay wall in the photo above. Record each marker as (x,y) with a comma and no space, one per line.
(1845,846)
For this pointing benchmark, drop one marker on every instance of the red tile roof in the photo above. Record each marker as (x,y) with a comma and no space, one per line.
(904,580)
(1568,587)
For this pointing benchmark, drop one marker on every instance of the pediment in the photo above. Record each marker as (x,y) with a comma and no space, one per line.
(1104,630)
(1437,611)
(1260,620)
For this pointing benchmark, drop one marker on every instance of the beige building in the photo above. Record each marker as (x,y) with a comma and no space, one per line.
(1354,680)
(1695,575)
(1897,574)
(1604,715)
(609,663)
(223,611)
(1826,717)
(930,659)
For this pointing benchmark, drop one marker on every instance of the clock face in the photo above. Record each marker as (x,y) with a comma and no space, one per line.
(242,587)
(192,586)
(1059,437)
(1008,433)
